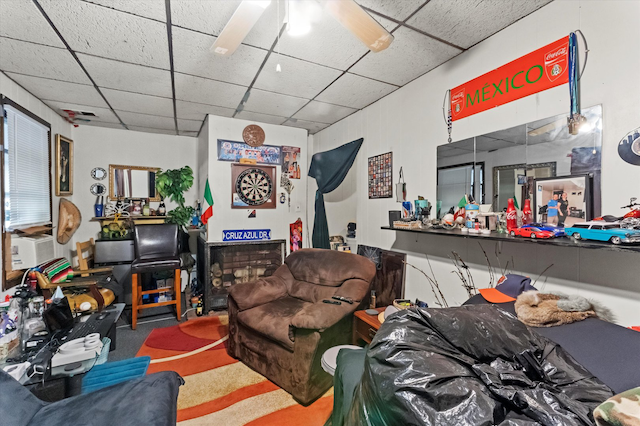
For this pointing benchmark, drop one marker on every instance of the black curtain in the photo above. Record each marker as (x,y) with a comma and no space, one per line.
(329,169)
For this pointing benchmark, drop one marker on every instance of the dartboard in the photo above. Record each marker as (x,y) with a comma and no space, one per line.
(254,186)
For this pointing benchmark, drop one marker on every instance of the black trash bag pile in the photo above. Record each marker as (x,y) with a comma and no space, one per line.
(471,365)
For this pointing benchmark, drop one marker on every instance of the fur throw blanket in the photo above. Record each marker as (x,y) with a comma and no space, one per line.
(537,309)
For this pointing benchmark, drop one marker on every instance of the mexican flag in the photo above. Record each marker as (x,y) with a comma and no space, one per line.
(209,199)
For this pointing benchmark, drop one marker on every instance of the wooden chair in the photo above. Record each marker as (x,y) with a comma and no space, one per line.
(156,249)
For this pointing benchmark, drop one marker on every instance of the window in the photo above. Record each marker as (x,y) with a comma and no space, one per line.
(612,226)
(580,226)
(597,227)
(27,192)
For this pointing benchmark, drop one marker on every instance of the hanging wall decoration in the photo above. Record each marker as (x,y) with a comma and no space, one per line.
(237,151)
(629,147)
(64,166)
(291,161)
(540,70)
(286,183)
(253,135)
(380,176)
(253,186)
(295,236)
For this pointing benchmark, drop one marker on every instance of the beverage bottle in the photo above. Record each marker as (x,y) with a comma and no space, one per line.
(512,216)
(527,214)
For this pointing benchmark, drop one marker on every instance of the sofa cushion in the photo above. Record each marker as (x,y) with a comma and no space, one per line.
(273,319)
(329,267)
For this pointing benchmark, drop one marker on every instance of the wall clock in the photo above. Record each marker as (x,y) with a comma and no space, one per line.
(253,135)
(253,186)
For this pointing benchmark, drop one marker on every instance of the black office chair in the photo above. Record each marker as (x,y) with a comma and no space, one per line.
(156,248)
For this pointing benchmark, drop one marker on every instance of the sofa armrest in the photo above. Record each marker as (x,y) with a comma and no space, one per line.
(265,290)
(320,315)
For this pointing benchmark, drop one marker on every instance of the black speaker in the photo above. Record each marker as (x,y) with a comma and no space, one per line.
(393,216)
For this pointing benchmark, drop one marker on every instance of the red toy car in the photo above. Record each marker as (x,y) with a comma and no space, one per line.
(533,231)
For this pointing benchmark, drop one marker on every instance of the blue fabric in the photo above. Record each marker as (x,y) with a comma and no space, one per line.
(113,373)
(329,169)
(552,208)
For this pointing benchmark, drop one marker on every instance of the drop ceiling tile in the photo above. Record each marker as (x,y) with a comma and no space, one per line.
(261,118)
(195,111)
(52,90)
(40,61)
(135,102)
(145,120)
(122,76)
(399,10)
(191,55)
(273,103)
(210,17)
(152,130)
(189,125)
(354,91)
(410,55)
(23,21)
(101,114)
(103,124)
(467,22)
(321,112)
(311,126)
(210,92)
(100,31)
(152,9)
(298,78)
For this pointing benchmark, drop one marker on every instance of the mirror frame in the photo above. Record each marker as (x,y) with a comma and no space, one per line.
(113,167)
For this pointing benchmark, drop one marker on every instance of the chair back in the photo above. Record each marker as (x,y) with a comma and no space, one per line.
(85,262)
(156,241)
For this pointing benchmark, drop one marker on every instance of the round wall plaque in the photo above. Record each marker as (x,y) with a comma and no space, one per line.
(629,147)
(253,135)
(98,173)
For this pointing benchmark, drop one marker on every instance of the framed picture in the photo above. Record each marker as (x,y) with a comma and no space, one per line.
(564,200)
(380,171)
(291,161)
(237,151)
(64,166)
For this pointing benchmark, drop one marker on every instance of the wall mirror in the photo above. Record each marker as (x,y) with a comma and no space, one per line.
(98,189)
(521,162)
(133,182)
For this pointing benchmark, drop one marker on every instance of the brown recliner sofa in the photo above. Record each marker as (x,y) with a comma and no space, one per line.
(280,326)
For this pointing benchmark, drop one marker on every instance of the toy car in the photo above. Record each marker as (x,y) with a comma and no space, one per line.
(603,231)
(538,230)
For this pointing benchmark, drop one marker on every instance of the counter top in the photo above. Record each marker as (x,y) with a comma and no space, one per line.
(558,242)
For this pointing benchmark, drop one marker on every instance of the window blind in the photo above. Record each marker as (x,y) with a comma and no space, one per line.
(27,195)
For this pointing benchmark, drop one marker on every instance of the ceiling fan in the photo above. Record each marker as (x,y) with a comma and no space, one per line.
(347,12)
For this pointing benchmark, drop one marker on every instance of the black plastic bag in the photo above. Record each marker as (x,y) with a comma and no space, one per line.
(471,365)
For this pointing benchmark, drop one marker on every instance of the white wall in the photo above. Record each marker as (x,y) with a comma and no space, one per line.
(409,123)
(16,93)
(278,219)
(101,146)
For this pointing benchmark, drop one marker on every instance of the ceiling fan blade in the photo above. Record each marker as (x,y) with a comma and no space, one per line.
(547,127)
(359,22)
(243,19)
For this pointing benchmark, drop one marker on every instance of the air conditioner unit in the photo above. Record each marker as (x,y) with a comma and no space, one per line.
(31,251)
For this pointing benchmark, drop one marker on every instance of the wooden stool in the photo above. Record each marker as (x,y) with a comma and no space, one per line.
(156,249)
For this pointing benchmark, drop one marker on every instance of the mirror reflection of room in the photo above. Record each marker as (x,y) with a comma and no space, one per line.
(505,164)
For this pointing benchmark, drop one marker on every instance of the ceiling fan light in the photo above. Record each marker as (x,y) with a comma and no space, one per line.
(360,23)
(242,21)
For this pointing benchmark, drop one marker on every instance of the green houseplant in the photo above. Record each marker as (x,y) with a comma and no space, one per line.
(171,185)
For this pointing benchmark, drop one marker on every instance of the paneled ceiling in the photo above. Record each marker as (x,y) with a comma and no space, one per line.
(145,64)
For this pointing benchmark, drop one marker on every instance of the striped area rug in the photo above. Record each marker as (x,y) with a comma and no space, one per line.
(218,389)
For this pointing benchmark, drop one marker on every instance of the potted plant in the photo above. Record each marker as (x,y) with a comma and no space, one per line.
(171,185)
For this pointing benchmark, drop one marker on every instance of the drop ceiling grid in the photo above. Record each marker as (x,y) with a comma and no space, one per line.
(195,25)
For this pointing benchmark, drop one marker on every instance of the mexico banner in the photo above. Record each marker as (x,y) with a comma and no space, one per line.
(537,71)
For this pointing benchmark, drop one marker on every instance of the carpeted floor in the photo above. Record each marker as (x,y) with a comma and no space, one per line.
(218,389)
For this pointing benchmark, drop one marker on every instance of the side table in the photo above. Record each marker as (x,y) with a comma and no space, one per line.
(365,326)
